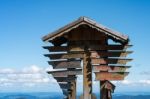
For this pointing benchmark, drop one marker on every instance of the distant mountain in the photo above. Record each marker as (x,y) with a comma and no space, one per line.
(59,96)
(19,97)
(132,97)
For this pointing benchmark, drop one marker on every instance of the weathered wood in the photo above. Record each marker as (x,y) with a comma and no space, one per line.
(64,56)
(110,68)
(91,24)
(64,73)
(109,61)
(81,48)
(111,75)
(87,76)
(94,54)
(108,85)
(65,79)
(56,48)
(65,64)
(64,85)
(98,54)
(73,90)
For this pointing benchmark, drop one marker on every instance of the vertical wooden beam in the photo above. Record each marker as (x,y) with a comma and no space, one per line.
(87,76)
(104,92)
(72,94)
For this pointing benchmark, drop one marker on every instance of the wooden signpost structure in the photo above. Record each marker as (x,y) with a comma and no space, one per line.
(85,43)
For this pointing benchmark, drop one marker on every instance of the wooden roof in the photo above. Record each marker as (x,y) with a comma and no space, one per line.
(84,20)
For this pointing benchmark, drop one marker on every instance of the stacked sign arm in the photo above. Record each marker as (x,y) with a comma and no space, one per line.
(66,67)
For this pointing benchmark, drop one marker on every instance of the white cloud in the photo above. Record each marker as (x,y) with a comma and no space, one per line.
(28,76)
(145,82)
(126,82)
(32,69)
(6,70)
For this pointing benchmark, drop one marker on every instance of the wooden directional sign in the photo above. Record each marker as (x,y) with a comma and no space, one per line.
(110,68)
(64,73)
(65,85)
(81,48)
(65,79)
(64,56)
(65,64)
(111,75)
(94,54)
(109,61)
(98,54)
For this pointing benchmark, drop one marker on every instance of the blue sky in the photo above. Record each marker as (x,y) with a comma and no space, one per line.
(24,22)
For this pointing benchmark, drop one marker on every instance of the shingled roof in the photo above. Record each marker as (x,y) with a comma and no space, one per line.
(84,20)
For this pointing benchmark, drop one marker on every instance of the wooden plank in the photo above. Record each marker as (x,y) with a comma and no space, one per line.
(65,85)
(111,75)
(64,55)
(81,48)
(56,48)
(94,54)
(109,61)
(64,73)
(110,68)
(65,79)
(65,64)
(98,54)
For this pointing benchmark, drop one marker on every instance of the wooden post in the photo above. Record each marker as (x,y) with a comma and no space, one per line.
(87,76)
(73,83)
(104,92)
(72,94)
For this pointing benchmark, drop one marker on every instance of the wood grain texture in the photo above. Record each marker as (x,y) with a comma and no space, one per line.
(111,75)
(65,64)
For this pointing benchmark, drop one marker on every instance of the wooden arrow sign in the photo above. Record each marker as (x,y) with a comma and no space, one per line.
(65,79)
(109,61)
(56,48)
(64,73)
(81,48)
(98,54)
(110,68)
(111,75)
(94,54)
(65,64)
(65,85)
(64,56)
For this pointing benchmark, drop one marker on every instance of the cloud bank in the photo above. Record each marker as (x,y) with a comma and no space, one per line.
(31,77)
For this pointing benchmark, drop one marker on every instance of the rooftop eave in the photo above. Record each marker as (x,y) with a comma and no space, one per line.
(83,20)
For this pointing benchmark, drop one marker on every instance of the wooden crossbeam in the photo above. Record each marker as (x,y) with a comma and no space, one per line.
(64,73)
(81,48)
(98,54)
(109,61)
(64,55)
(94,54)
(111,75)
(110,68)
(65,64)
(65,79)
